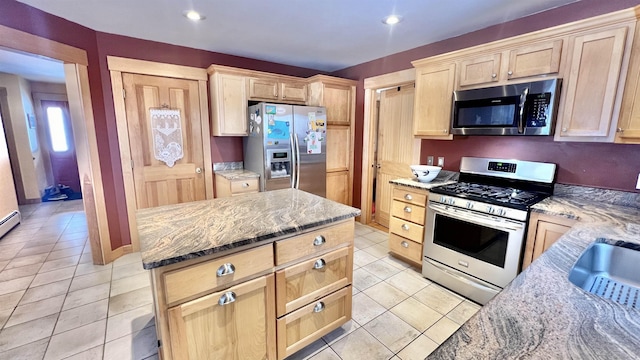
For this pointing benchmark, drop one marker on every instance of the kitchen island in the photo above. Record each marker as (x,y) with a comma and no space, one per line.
(540,314)
(256,276)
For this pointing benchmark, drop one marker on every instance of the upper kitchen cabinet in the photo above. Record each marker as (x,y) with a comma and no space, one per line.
(628,130)
(228,93)
(479,70)
(433,97)
(337,95)
(280,88)
(594,80)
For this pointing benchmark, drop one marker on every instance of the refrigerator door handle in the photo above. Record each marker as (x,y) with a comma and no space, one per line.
(297,160)
(293,161)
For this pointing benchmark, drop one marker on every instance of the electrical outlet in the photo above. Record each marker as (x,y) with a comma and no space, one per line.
(429,160)
(441,161)
(638,183)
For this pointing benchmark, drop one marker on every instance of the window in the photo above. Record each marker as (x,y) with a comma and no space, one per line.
(57,131)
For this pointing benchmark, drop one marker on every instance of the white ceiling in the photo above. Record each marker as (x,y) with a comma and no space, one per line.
(31,67)
(325,35)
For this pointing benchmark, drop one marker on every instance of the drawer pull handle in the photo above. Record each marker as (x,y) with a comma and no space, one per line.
(319,264)
(405,227)
(227,298)
(245,185)
(408,197)
(319,240)
(407,209)
(319,307)
(225,269)
(404,244)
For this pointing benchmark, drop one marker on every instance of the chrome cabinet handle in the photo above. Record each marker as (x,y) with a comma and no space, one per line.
(620,130)
(319,264)
(319,307)
(319,240)
(494,76)
(227,298)
(564,129)
(225,269)
(405,227)
(407,209)
(510,73)
(198,170)
(408,197)
(245,185)
(404,244)
(445,131)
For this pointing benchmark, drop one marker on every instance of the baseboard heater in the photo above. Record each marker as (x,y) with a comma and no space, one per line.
(9,222)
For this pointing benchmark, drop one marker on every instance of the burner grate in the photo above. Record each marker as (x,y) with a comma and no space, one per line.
(615,291)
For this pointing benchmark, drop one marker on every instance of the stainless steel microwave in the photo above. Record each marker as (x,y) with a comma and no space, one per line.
(512,109)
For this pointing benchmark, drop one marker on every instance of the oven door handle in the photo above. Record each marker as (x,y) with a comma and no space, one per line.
(471,217)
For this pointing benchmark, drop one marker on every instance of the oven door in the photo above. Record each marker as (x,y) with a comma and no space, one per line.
(483,246)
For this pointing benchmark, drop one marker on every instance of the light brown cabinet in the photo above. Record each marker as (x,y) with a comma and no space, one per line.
(544,231)
(235,187)
(479,70)
(277,89)
(406,227)
(228,103)
(433,99)
(628,130)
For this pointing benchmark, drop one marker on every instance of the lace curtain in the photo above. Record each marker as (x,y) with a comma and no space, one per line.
(167,135)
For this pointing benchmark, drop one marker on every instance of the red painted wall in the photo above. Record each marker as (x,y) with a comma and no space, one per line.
(600,165)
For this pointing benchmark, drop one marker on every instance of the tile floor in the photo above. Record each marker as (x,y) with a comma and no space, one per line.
(55,304)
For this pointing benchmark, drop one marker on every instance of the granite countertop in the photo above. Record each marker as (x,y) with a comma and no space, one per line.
(444,178)
(174,233)
(540,314)
(237,174)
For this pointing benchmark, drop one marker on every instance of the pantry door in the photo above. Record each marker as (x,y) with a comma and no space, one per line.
(395,148)
(171,179)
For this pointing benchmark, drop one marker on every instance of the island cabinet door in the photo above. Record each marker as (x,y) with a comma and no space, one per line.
(236,323)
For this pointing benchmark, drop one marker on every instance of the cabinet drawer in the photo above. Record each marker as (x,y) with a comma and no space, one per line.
(410,196)
(406,229)
(308,281)
(314,242)
(210,275)
(308,324)
(244,185)
(405,248)
(409,212)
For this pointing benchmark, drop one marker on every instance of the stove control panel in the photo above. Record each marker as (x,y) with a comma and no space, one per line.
(478,206)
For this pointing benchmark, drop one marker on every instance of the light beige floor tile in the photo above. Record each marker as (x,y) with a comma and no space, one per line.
(86,296)
(399,263)
(463,312)
(362,258)
(377,236)
(361,242)
(8,252)
(362,229)
(128,259)
(391,331)
(129,322)
(76,341)
(135,346)
(438,298)
(84,269)
(129,300)
(309,351)
(441,330)
(129,283)
(379,251)
(385,294)
(4,316)
(38,293)
(326,354)
(3,264)
(91,354)
(382,269)
(51,265)
(81,315)
(42,241)
(53,276)
(408,281)
(364,309)
(152,357)
(416,314)
(18,272)
(9,301)
(79,236)
(340,332)
(36,310)
(89,280)
(31,351)
(126,270)
(59,254)
(21,334)
(7,287)
(418,349)
(35,250)
(361,345)
(86,258)
(362,279)
(61,245)
(26,260)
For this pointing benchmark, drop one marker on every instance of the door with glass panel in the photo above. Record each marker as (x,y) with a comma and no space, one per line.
(62,152)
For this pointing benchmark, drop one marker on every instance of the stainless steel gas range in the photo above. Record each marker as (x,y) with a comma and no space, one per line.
(475,228)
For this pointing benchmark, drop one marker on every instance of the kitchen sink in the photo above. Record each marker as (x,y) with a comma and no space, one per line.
(610,271)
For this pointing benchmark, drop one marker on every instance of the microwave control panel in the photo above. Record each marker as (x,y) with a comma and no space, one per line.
(537,112)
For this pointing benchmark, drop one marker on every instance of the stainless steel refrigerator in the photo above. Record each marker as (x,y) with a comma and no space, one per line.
(287,147)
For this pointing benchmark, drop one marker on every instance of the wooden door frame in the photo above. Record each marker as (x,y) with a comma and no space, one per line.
(119,65)
(371,85)
(81,111)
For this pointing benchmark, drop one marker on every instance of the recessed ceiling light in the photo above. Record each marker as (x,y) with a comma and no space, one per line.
(391,19)
(193,15)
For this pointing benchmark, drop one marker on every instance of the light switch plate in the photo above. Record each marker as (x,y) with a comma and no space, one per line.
(429,160)
(638,183)
(441,161)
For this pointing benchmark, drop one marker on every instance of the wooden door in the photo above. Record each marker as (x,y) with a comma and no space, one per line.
(395,148)
(156,183)
(237,323)
(434,96)
(480,70)
(64,163)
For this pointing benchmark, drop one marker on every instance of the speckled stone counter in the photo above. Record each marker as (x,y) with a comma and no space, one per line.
(237,174)
(541,315)
(174,233)
(443,178)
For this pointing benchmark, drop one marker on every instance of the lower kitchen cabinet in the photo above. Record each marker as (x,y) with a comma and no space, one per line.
(406,226)
(228,188)
(544,231)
